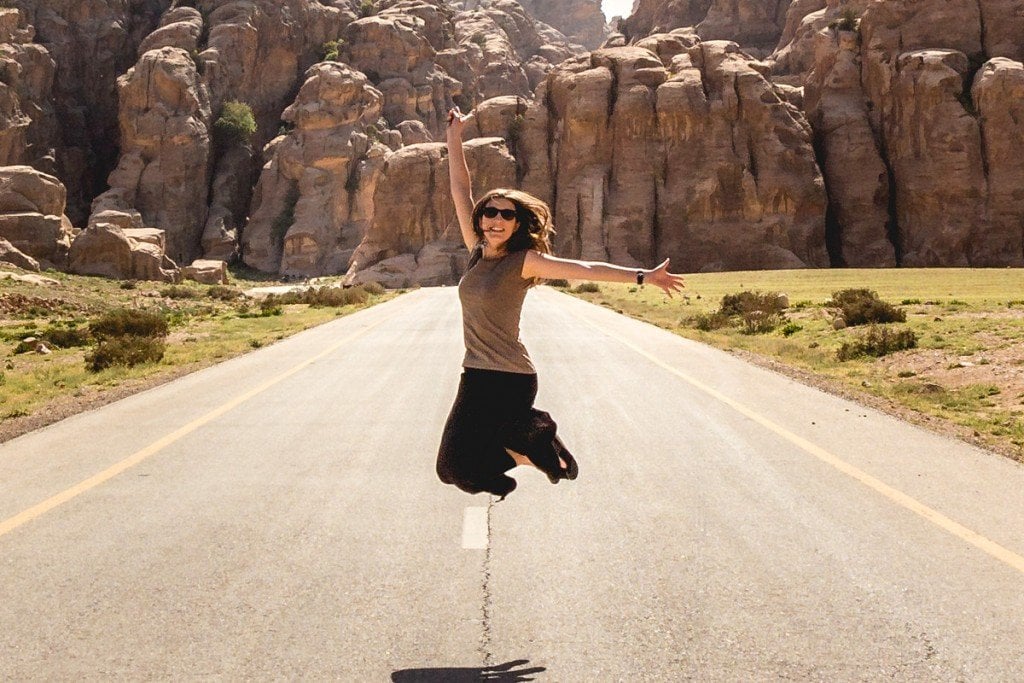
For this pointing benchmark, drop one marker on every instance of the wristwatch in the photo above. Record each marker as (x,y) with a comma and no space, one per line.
(639,277)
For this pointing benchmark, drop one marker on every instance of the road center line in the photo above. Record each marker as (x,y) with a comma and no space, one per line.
(979,541)
(12,523)
(474,529)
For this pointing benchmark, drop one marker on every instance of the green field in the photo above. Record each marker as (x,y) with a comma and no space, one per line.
(965,376)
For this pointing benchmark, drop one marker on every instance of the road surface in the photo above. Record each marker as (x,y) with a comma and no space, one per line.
(278,517)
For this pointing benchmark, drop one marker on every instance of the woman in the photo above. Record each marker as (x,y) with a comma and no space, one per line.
(493,426)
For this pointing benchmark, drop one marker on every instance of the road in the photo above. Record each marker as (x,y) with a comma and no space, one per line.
(278,517)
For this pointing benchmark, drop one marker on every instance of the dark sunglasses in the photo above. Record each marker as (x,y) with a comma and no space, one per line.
(493,211)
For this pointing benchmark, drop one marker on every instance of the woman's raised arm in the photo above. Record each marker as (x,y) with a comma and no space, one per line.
(548,267)
(458,176)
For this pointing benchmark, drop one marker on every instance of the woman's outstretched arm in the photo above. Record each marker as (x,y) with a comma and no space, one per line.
(548,267)
(458,176)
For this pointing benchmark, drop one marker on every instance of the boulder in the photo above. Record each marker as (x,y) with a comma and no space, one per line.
(207,272)
(107,250)
(32,216)
(11,255)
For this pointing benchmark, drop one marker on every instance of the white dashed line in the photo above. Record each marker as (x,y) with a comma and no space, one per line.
(474,529)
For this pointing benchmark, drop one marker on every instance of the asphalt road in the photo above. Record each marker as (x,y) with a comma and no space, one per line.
(278,517)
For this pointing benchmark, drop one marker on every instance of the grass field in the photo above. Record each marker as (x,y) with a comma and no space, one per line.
(965,375)
(207,325)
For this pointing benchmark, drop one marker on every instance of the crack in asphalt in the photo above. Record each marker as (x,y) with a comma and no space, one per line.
(485,636)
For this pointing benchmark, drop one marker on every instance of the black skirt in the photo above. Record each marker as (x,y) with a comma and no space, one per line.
(494,411)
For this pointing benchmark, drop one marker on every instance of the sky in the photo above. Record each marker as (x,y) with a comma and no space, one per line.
(614,8)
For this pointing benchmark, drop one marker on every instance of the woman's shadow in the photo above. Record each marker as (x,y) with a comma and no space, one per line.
(505,673)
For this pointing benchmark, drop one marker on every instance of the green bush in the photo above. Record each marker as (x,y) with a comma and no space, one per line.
(790,329)
(222,293)
(587,287)
(749,302)
(559,282)
(180,292)
(863,307)
(236,124)
(129,350)
(708,322)
(366,9)
(331,50)
(124,322)
(126,337)
(878,341)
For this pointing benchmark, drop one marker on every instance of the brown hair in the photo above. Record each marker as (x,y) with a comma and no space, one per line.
(535,227)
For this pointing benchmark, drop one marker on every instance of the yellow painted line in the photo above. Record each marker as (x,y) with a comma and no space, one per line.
(979,541)
(49,504)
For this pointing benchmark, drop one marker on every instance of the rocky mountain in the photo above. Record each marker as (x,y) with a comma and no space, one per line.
(304,136)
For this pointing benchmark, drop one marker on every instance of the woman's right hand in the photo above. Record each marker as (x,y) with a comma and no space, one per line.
(457,121)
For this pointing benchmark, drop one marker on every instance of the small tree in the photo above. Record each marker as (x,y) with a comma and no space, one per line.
(236,124)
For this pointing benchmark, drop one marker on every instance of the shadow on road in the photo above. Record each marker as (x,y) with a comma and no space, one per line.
(504,673)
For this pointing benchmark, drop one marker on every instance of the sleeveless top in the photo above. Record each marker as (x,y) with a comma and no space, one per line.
(492,293)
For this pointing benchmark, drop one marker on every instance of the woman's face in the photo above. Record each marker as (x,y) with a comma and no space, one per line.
(498,229)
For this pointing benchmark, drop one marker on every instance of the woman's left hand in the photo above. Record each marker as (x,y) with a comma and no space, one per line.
(660,277)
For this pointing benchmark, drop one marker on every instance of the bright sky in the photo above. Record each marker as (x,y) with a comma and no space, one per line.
(616,8)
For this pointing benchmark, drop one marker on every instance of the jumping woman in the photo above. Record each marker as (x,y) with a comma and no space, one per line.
(493,425)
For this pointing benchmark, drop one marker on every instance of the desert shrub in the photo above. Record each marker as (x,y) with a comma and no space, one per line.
(373,288)
(559,282)
(757,312)
(129,284)
(129,350)
(66,337)
(878,341)
(126,337)
(587,287)
(863,307)
(124,322)
(710,321)
(180,292)
(366,9)
(747,302)
(236,123)
(222,293)
(790,329)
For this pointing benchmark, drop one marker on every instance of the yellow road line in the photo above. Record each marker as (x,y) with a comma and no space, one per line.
(8,525)
(979,541)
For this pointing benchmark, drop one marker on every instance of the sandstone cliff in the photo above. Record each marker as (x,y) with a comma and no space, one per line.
(722,133)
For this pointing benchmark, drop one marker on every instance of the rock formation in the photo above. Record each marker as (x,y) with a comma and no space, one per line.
(895,99)
(32,217)
(28,127)
(92,44)
(877,133)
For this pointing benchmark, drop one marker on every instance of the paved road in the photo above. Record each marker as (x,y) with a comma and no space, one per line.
(277,516)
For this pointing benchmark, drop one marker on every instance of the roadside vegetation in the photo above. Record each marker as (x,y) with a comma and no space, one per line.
(942,347)
(87,340)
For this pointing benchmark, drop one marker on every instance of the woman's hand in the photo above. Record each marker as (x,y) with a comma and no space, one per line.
(660,277)
(457,121)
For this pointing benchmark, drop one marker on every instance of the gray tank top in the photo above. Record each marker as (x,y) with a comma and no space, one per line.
(492,293)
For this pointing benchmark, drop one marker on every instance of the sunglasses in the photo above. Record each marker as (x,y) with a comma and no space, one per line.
(493,211)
